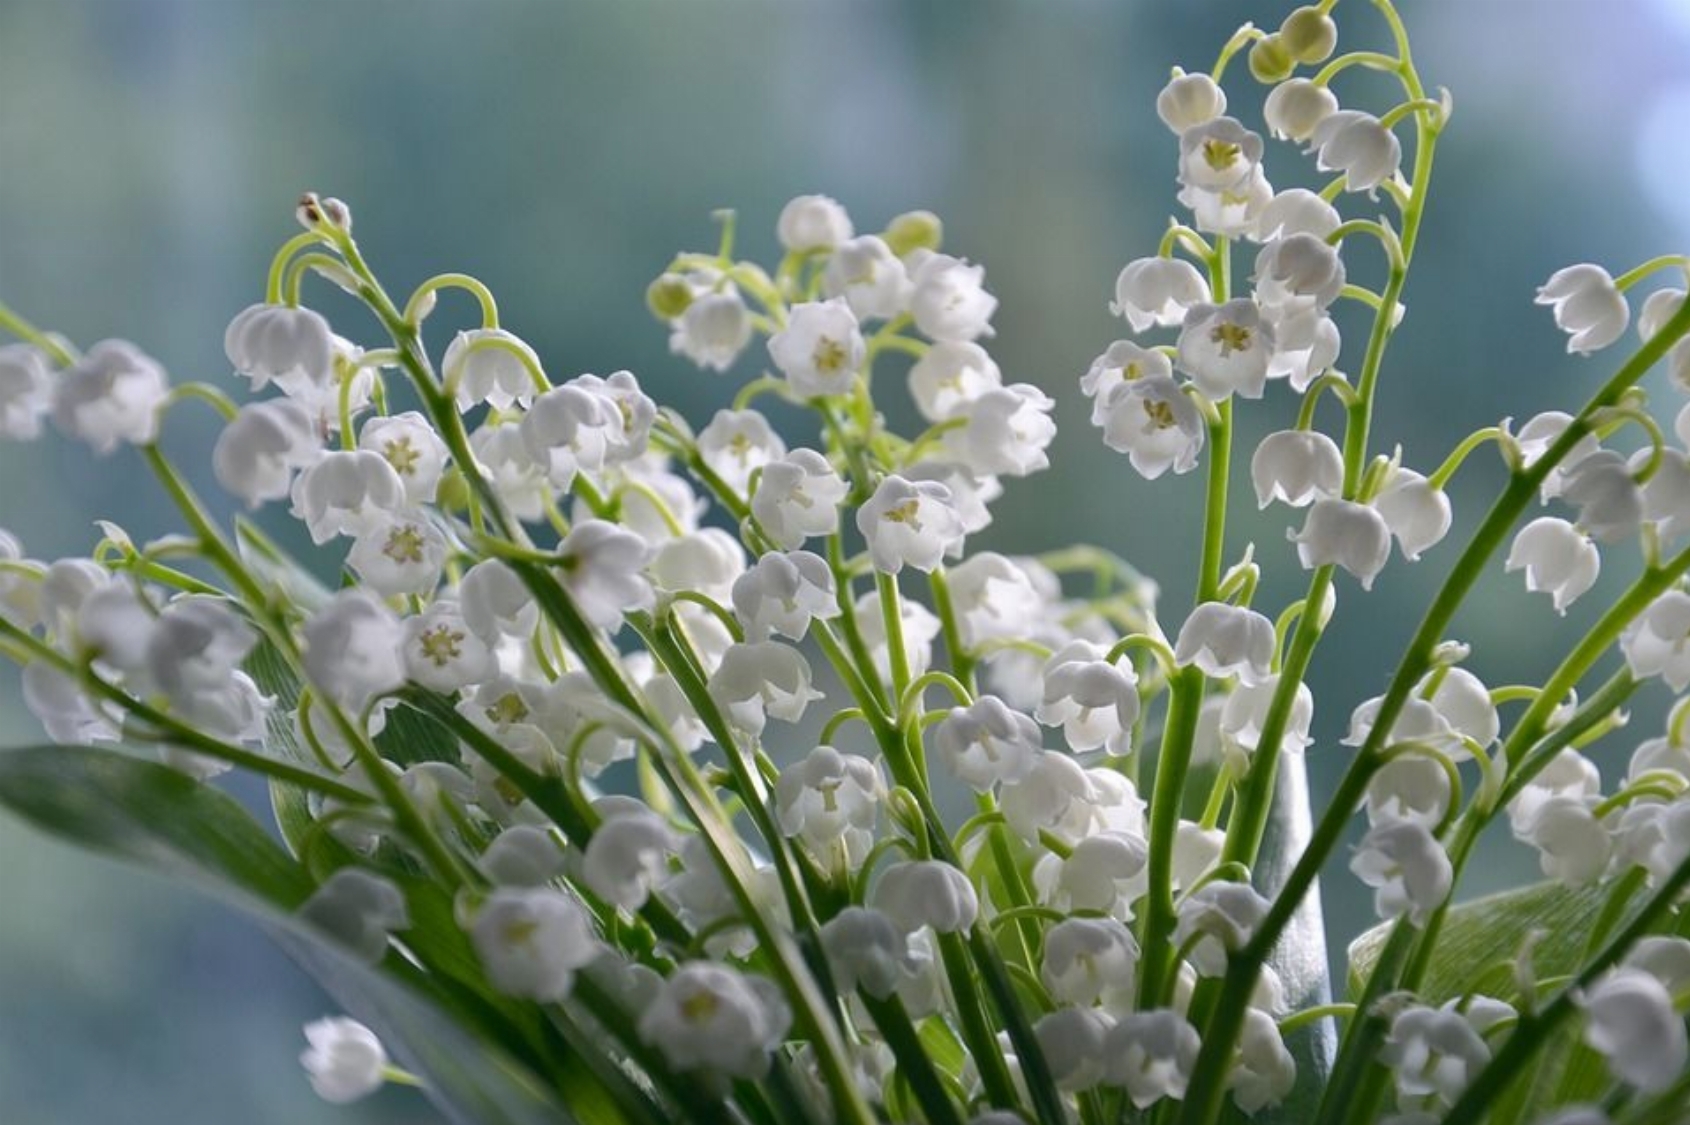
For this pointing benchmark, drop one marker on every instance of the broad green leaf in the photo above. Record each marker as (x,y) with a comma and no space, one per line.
(152,815)
(1476,952)
(1480,940)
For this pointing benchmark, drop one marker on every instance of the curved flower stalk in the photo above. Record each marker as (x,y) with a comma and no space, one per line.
(557,594)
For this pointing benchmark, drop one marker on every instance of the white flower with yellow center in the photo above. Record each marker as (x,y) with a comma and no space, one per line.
(820,349)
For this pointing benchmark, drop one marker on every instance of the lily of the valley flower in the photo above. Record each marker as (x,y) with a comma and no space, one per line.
(1558,560)
(1587,306)
(1158,291)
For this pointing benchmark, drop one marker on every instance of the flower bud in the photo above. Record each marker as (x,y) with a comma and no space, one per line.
(1189,99)
(914,230)
(1271,60)
(668,296)
(345,1061)
(1309,35)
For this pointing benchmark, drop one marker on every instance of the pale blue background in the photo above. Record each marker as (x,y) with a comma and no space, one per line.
(150,153)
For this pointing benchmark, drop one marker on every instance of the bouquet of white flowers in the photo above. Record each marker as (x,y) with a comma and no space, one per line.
(1034,858)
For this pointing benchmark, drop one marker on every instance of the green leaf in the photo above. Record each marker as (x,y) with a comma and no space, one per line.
(1476,950)
(1481,938)
(154,816)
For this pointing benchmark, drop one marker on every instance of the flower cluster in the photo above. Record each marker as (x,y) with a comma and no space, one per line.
(626,742)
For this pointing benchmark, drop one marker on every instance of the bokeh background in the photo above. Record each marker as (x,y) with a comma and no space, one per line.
(151,151)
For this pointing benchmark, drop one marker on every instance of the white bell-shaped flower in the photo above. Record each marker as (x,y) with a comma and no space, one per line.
(1055,796)
(1608,498)
(1265,1072)
(993,598)
(1188,100)
(1573,845)
(359,909)
(627,855)
(567,431)
(918,624)
(1657,643)
(1658,308)
(194,645)
(1296,273)
(872,279)
(1226,640)
(707,1016)
(411,446)
(1154,423)
(346,492)
(1123,362)
(399,553)
(523,855)
(820,348)
(926,892)
(1072,1041)
(1558,560)
(865,950)
(532,940)
(735,443)
(1665,957)
(1433,1053)
(714,329)
(1463,701)
(1229,212)
(1296,467)
(440,651)
(258,452)
(1568,774)
(1295,108)
(1158,291)
(292,347)
(1630,1019)
(1358,145)
(1218,155)
(1005,433)
(487,365)
(353,649)
(65,710)
(987,743)
(1094,702)
(1222,918)
(798,497)
(1246,709)
(604,571)
(1588,306)
(507,467)
(783,593)
(1225,349)
(812,222)
(831,801)
(1089,961)
(344,1060)
(111,395)
(708,562)
(760,679)
(26,391)
(1344,533)
(951,376)
(1104,872)
(496,603)
(1151,1054)
(950,301)
(1539,433)
(1296,211)
(1666,494)
(1408,869)
(1418,515)
(909,523)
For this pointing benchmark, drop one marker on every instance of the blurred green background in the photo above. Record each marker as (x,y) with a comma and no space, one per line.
(151,152)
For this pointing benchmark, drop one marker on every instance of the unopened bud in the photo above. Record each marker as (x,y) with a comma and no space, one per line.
(1270,62)
(914,230)
(453,494)
(668,296)
(1309,35)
